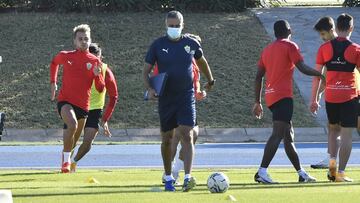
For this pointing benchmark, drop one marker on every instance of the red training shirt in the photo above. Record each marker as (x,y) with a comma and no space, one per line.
(77,77)
(279,59)
(340,86)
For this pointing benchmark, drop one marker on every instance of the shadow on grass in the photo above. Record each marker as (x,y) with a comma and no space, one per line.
(12,181)
(254,186)
(201,187)
(30,174)
(81,193)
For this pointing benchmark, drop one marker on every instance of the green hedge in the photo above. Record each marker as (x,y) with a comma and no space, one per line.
(352,3)
(129,5)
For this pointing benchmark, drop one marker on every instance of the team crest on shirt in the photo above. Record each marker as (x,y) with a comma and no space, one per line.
(188,50)
(88,66)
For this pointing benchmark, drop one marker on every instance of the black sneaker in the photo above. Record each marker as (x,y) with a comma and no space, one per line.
(306,178)
(323,164)
(266,179)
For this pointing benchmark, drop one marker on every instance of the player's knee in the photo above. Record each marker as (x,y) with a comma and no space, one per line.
(281,129)
(166,140)
(289,138)
(195,133)
(187,137)
(334,129)
(72,125)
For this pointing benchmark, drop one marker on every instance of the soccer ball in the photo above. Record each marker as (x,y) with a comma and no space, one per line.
(218,183)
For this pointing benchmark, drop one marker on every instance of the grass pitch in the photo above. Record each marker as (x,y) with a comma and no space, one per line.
(143,185)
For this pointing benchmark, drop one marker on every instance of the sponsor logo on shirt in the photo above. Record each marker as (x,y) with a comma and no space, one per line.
(88,66)
(166,50)
(69,62)
(338,62)
(339,86)
(269,90)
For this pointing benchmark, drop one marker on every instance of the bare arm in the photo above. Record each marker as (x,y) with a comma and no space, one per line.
(258,84)
(205,69)
(305,69)
(146,71)
(318,85)
(257,108)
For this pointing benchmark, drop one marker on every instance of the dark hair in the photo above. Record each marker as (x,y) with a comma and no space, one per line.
(175,14)
(282,29)
(324,24)
(344,22)
(94,48)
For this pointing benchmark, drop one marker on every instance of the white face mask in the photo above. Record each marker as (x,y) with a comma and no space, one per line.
(173,32)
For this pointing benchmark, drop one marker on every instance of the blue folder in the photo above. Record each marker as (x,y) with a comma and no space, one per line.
(158,83)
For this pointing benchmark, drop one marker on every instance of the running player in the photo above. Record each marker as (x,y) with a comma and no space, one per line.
(340,56)
(80,69)
(277,63)
(97,102)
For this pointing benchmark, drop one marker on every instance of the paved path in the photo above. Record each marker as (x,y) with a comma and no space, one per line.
(302,21)
(123,156)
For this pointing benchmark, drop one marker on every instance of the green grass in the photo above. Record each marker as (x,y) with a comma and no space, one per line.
(142,185)
(231,43)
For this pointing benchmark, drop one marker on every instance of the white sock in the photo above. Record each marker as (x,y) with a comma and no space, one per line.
(301,172)
(179,165)
(169,177)
(73,159)
(67,156)
(187,176)
(262,170)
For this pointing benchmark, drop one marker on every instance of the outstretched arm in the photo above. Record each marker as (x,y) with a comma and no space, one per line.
(305,69)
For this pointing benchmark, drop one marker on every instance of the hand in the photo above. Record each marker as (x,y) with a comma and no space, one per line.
(322,77)
(97,69)
(152,94)
(258,110)
(314,107)
(200,95)
(105,126)
(53,91)
(209,85)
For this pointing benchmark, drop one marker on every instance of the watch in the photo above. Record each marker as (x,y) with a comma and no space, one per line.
(211,83)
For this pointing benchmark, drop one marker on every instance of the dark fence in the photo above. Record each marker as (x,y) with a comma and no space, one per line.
(128,5)
(352,3)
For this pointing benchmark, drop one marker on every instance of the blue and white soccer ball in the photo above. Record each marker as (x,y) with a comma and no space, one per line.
(218,183)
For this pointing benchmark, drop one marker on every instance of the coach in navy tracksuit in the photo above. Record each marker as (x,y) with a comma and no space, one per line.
(173,54)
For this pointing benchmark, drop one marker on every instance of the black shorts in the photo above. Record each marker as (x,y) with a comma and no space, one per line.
(79,112)
(93,119)
(282,110)
(345,114)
